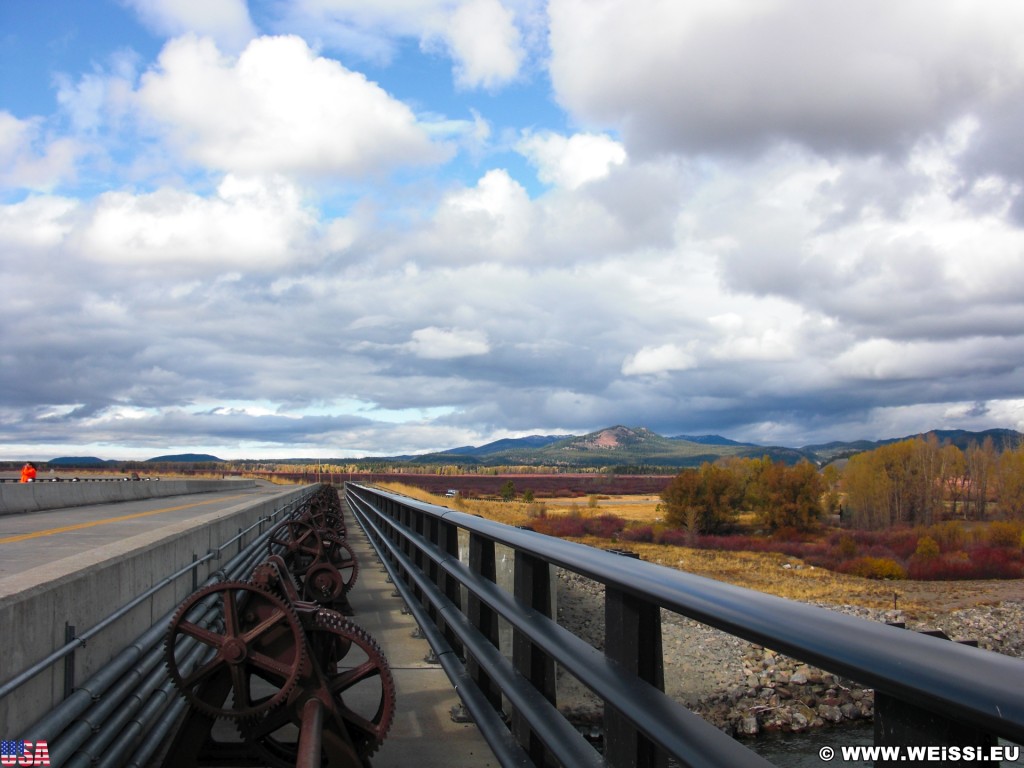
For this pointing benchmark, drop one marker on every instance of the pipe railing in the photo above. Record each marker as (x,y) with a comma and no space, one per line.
(451,588)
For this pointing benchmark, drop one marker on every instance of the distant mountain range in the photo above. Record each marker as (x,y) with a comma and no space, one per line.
(615,447)
(621,446)
(92,461)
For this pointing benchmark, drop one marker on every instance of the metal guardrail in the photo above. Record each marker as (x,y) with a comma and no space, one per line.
(931,688)
(131,695)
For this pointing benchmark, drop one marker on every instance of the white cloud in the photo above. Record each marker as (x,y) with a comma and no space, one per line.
(485,44)
(36,225)
(251,223)
(707,75)
(661,359)
(888,360)
(259,255)
(30,160)
(279,107)
(489,221)
(487,40)
(226,21)
(434,343)
(573,161)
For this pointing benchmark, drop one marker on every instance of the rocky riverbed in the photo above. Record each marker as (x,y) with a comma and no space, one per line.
(746,689)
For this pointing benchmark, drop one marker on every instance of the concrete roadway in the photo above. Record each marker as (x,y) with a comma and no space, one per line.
(42,538)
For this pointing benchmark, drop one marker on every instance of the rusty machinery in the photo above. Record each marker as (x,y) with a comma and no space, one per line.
(302,682)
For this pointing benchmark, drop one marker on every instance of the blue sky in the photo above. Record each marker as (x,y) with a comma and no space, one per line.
(329,228)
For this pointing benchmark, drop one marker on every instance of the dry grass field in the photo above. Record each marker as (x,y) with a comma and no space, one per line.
(775,574)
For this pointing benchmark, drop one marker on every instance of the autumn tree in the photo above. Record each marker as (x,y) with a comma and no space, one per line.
(787,497)
(830,477)
(895,484)
(867,492)
(1010,482)
(980,462)
(701,500)
(953,475)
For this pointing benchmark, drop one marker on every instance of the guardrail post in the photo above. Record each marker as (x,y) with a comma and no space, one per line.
(901,724)
(69,661)
(532,587)
(482,560)
(632,637)
(447,539)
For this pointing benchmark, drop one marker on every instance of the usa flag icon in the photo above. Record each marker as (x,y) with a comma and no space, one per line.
(12,748)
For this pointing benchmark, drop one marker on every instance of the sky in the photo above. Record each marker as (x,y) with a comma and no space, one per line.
(333,228)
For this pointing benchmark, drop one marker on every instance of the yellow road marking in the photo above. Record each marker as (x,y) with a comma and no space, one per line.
(79,526)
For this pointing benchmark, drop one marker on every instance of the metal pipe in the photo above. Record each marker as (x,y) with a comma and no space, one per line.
(143,756)
(311,734)
(137,729)
(105,720)
(93,719)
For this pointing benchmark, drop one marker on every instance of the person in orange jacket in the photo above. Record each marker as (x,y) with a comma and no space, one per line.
(28,473)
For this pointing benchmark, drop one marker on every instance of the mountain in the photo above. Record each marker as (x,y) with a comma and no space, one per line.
(710,440)
(1002,439)
(634,448)
(78,461)
(184,458)
(506,444)
(618,446)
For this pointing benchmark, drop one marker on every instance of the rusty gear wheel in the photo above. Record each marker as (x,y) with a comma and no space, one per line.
(259,650)
(361,688)
(301,541)
(326,518)
(323,583)
(341,556)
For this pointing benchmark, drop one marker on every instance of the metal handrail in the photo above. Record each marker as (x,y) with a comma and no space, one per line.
(958,682)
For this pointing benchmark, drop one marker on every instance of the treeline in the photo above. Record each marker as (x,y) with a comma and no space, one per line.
(915,482)
(707,500)
(919,482)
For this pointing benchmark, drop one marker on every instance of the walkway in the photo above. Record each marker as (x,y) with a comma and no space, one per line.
(423,734)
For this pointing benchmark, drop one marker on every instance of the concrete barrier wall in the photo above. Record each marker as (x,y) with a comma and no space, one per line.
(84,589)
(18,498)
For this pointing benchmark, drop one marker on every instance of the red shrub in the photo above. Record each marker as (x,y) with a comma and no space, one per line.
(641,533)
(789,534)
(996,563)
(563,526)
(675,537)
(943,568)
(605,526)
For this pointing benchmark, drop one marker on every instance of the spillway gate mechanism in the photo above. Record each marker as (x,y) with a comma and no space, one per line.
(278,657)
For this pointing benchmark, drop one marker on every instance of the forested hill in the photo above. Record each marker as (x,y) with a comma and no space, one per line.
(624,449)
(619,447)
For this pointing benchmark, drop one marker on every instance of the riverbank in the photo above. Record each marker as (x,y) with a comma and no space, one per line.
(746,689)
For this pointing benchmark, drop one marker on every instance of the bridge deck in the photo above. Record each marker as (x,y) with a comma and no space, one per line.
(423,734)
